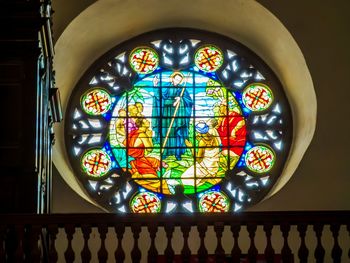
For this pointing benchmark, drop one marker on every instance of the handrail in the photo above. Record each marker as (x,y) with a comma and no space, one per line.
(275,217)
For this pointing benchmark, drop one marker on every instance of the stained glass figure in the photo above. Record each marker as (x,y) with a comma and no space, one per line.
(180,146)
(213,202)
(257,97)
(183,120)
(96,102)
(145,202)
(144,60)
(96,163)
(260,159)
(209,58)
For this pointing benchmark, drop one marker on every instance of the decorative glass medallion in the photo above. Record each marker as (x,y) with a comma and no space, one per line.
(144,60)
(260,159)
(145,202)
(96,163)
(209,58)
(213,201)
(96,102)
(257,97)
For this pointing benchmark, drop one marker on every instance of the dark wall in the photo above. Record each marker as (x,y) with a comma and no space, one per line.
(322,31)
(25,84)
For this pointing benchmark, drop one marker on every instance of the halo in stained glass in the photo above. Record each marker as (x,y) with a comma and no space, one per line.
(257,97)
(143,60)
(208,58)
(145,202)
(213,202)
(96,102)
(96,163)
(260,159)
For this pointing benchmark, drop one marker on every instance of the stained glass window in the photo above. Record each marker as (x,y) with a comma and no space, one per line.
(178,120)
(96,102)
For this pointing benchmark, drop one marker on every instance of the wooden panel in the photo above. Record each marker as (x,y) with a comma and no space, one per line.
(25,142)
(10,115)
(11,72)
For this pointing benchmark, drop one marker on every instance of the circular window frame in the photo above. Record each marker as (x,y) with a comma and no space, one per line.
(75,52)
(211,39)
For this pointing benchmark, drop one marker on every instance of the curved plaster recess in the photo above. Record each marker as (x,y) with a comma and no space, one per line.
(108,22)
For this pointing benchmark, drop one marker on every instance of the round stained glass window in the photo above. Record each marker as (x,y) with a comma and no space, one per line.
(145,202)
(178,120)
(257,97)
(96,102)
(260,159)
(214,202)
(143,60)
(96,163)
(208,58)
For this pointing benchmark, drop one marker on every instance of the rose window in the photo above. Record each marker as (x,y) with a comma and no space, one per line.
(178,120)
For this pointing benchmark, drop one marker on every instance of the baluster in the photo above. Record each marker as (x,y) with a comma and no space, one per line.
(152,252)
(27,242)
(286,251)
(236,251)
(336,251)
(11,244)
(202,251)
(34,248)
(185,252)
(19,255)
(2,241)
(86,253)
(252,251)
(169,252)
(269,251)
(319,251)
(119,252)
(136,252)
(219,251)
(69,253)
(53,230)
(303,252)
(102,253)
(348,228)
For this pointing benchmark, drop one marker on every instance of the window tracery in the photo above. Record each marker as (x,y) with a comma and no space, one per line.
(178,120)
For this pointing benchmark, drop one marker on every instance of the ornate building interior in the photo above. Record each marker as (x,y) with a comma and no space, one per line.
(46,214)
(319,30)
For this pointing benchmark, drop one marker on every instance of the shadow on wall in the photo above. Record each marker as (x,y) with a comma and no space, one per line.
(67,201)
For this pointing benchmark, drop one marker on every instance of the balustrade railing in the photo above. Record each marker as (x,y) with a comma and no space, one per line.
(243,237)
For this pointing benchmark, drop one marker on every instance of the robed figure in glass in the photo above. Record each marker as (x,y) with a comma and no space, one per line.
(172,126)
